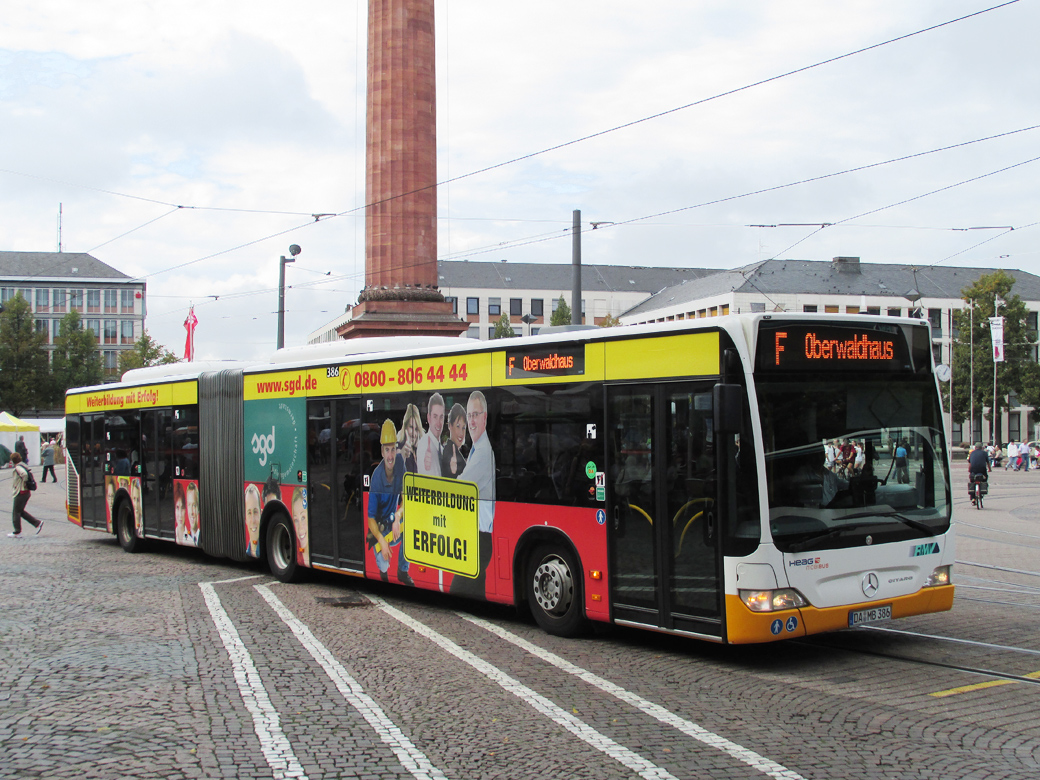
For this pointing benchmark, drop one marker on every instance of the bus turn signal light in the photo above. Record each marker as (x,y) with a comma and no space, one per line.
(596,575)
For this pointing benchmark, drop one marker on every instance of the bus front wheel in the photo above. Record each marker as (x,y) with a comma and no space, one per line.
(554,591)
(125,529)
(281,549)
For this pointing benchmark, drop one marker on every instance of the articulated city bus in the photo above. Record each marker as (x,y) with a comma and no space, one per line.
(742,479)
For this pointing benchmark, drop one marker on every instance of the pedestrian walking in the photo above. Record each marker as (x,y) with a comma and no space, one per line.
(48,461)
(19,480)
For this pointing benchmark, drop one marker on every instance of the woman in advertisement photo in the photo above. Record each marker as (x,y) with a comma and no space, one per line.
(180,515)
(453,461)
(408,440)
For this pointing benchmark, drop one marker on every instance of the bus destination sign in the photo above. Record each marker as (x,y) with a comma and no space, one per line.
(795,346)
(542,362)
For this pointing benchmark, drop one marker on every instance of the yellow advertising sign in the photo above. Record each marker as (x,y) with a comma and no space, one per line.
(142,397)
(689,354)
(452,372)
(441,524)
(324,380)
(399,376)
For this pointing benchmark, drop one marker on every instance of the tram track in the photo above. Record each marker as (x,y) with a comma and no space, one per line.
(851,642)
(1031,679)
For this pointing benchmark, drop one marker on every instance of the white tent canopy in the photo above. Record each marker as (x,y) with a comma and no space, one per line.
(11,428)
(51,425)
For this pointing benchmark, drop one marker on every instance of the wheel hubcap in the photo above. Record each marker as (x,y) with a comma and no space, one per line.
(553,586)
(282,547)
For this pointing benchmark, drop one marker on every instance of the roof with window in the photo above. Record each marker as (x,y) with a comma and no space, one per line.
(840,276)
(67,266)
(557,276)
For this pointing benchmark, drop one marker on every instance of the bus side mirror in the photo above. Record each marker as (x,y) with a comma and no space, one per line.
(728,401)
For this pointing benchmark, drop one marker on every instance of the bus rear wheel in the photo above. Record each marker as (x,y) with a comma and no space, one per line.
(281,549)
(125,528)
(554,591)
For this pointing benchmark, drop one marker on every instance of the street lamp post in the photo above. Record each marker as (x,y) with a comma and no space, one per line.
(294,250)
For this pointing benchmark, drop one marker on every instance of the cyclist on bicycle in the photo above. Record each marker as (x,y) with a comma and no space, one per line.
(978,464)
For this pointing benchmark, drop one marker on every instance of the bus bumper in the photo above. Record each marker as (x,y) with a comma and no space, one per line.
(745,627)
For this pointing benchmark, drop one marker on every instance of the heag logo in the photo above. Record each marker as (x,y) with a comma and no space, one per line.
(264,445)
(809,564)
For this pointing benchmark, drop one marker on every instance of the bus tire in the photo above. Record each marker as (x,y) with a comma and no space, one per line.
(554,591)
(281,548)
(126,530)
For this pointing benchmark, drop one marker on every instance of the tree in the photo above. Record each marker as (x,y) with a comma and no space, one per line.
(503,330)
(973,364)
(562,315)
(76,361)
(25,381)
(146,352)
(610,321)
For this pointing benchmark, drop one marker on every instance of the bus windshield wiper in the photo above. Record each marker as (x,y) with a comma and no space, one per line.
(917,525)
(823,536)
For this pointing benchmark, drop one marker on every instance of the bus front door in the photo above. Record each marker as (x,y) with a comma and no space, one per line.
(661,504)
(333,457)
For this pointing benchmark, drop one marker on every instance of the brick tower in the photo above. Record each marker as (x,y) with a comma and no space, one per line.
(401,294)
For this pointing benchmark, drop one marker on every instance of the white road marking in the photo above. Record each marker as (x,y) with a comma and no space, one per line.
(749,757)
(561,717)
(411,758)
(275,745)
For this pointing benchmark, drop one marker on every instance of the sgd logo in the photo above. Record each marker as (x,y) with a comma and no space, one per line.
(264,445)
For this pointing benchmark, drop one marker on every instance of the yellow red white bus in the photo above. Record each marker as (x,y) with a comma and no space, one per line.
(733,479)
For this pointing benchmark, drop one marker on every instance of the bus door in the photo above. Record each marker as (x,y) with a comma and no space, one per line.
(334,482)
(662,490)
(156,472)
(91,471)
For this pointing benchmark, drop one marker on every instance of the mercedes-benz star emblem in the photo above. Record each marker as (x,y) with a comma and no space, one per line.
(870,584)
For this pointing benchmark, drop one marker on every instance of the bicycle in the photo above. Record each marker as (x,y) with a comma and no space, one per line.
(977,489)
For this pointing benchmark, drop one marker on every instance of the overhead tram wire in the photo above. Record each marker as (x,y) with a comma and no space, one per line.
(905,201)
(702,101)
(717,201)
(565,232)
(563,145)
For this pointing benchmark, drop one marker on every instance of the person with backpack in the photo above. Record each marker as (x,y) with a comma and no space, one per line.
(23,484)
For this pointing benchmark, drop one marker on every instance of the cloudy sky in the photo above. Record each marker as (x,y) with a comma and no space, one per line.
(249,115)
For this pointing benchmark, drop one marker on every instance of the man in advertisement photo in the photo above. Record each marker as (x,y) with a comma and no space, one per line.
(480,469)
(385,513)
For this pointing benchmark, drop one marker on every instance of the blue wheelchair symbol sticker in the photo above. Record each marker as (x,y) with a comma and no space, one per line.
(792,623)
(601,516)
(777,626)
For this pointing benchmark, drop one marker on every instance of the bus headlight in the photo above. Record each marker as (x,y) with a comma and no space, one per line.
(941,576)
(772,600)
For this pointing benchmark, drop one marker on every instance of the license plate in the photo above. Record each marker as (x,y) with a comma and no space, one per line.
(873,615)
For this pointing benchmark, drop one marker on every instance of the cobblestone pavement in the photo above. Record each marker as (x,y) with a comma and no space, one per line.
(124,666)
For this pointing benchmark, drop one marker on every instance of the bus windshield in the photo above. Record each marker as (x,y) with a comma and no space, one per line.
(854,461)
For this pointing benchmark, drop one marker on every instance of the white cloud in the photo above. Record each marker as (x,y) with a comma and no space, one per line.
(259,106)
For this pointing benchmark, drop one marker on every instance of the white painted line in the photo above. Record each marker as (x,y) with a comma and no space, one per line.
(237,579)
(275,745)
(701,734)
(561,717)
(411,758)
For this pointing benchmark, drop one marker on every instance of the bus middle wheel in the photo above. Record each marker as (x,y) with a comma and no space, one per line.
(281,549)
(554,591)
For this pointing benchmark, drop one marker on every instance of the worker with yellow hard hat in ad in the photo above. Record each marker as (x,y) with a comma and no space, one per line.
(385,512)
